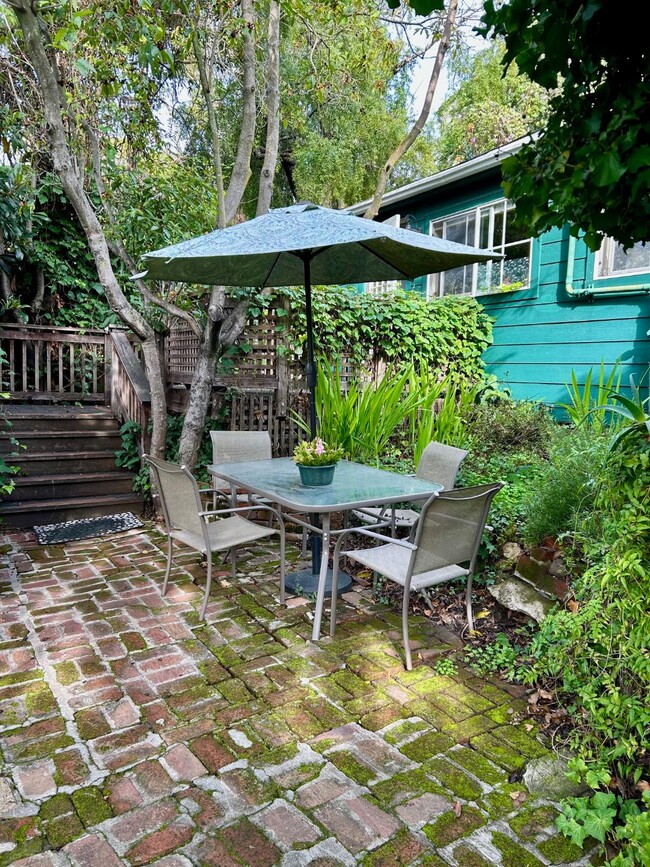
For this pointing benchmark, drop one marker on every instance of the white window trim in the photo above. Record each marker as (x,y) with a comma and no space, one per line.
(609,245)
(433,278)
(385,287)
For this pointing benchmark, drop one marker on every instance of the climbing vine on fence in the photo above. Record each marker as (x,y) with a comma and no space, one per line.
(446,333)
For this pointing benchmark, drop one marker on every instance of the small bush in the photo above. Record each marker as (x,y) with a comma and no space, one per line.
(562,499)
(509,425)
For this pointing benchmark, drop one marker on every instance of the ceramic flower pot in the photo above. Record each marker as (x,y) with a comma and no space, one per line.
(314,477)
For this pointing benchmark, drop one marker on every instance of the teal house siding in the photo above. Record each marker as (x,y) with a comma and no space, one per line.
(565,319)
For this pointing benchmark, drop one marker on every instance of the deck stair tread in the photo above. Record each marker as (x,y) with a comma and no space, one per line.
(66,465)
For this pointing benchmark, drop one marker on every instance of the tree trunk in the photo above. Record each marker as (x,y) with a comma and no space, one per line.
(69,174)
(418,126)
(272,111)
(241,170)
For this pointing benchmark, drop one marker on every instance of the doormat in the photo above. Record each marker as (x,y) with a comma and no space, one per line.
(85,528)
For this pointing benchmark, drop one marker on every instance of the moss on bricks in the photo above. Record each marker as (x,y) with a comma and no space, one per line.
(62,830)
(450,827)
(499,752)
(559,850)
(235,691)
(91,724)
(499,802)
(453,778)
(59,805)
(478,765)
(351,767)
(40,700)
(406,786)
(133,641)
(424,748)
(514,855)
(91,806)
(382,716)
(467,856)
(20,677)
(530,823)
(402,731)
(402,849)
(351,683)
(67,673)
(25,849)
(521,741)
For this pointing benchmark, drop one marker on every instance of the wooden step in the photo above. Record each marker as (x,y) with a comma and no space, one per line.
(23,514)
(65,463)
(43,418)
(59,486)
(60,441)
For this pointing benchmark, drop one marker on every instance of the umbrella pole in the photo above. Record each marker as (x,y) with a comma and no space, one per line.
(306,581)
(310,369)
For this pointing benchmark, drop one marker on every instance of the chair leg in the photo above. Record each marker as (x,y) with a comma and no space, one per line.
(333,598)
(169,565)
(208,585)
(405,630)
(233,562)
(282,560)
(468,603)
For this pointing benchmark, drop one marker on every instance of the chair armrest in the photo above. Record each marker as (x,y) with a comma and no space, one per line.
(253,507)
(403,543)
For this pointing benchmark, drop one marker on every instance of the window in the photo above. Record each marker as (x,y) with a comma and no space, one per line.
(490,227)
(612,260)
(385,287)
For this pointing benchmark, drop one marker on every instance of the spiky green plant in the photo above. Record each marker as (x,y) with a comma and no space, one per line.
(590,402)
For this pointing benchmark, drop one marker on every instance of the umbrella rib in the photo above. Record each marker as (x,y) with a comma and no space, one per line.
(270,271)
(385,261)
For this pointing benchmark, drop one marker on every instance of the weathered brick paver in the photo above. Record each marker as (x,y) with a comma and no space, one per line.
(133,734)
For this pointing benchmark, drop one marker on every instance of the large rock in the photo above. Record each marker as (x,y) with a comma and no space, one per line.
(546,778)
(516,595)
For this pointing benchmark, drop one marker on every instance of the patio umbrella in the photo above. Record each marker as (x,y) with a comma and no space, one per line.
(307,244)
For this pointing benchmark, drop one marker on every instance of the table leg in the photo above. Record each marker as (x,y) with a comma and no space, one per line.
(320,596)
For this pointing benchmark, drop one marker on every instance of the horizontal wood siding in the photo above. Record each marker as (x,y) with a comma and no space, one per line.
(542,333)
(537,343)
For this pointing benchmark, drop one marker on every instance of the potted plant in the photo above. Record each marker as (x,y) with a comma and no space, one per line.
(316,462)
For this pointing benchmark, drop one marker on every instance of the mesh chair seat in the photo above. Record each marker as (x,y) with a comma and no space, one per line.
(438,463)
(224,534)
(187,521)
(447,534)
(393,561)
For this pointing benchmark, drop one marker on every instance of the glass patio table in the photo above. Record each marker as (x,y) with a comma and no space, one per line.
(355,486)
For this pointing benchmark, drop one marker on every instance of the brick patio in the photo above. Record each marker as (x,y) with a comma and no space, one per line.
(133,734)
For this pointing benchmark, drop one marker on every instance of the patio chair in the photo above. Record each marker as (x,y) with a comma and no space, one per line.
(234,446)
(438,463)
(447,539)
(231,447)
(187,521)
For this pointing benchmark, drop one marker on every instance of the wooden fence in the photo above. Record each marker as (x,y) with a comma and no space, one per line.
(256,386)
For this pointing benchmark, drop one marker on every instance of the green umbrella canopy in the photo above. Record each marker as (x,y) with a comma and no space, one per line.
(342,248)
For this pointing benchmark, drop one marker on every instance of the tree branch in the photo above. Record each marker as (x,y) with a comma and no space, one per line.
(418,126)
(267,174)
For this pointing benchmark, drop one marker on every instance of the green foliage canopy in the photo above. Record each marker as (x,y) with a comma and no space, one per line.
(591,166)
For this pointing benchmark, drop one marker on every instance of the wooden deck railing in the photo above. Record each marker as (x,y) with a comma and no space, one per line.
(55,363)
(130,395)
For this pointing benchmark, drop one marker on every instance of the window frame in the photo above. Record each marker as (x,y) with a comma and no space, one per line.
(609,246)
(435,282)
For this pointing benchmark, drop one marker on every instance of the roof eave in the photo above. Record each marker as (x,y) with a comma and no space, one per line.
(440,179)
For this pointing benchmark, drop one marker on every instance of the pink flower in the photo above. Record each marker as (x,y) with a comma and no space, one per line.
(320,446)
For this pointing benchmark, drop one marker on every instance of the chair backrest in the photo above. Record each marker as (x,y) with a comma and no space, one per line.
(235,446)
(451,526)
(179,495)
(440,463)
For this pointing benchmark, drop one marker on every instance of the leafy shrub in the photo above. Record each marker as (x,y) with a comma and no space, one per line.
(500,657)
(563,496)
(509,425)
(595,656)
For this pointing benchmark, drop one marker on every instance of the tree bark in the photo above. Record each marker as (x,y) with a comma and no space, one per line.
(71,178)
(272,111)
(206,78)
(242,168)
(418,126)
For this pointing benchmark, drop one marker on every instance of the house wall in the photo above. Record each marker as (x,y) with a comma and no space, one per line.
(543,333)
